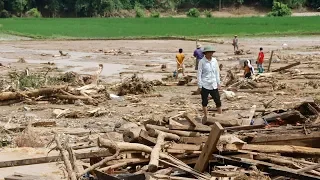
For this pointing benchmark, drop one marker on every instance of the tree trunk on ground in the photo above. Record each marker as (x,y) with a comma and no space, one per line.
(154,157)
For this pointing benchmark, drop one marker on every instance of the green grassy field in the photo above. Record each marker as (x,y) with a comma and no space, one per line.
(105,28)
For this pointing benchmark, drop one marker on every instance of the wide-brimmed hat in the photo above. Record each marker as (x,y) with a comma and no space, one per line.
(198,45)
(235,35)
(208,49)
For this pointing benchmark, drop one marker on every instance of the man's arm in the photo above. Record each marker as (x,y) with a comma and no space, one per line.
(217,73)
(183,58)
(177,60)
(194,53)
(199,74)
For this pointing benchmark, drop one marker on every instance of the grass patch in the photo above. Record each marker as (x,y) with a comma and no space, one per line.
(108,28)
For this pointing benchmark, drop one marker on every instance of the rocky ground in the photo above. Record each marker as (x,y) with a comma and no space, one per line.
(123,58)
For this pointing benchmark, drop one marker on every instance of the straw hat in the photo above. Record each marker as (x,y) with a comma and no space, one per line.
(198,45)
(208,49)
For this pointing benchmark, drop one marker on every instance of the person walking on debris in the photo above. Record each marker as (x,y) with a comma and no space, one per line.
(180,62)
(209,80)
(235,43)
(260,61)
(248,69)
(198,54)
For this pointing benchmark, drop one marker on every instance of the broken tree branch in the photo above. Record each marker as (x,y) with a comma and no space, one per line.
(180,133)
(71,174)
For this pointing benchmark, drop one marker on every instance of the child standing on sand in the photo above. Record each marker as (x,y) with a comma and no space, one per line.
(260,61)
(180,62)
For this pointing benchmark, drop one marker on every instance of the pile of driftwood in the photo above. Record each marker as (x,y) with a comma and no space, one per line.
(135,85)
(261,83)
(265,144)
(89,92)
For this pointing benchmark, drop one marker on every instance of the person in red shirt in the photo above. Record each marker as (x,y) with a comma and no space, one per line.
(260,61)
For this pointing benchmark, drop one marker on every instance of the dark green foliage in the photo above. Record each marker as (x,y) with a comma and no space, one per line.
(4,14)
(313,3)
(294,3)
(107,8)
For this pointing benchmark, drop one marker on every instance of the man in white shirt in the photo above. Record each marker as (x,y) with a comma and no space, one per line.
(209,79)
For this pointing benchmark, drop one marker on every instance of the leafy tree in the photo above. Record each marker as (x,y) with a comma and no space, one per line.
(18,6)
(1,5)
(313,3)
(280,9)
(53,7)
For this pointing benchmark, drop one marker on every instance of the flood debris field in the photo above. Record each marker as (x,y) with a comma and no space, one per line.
(112,110)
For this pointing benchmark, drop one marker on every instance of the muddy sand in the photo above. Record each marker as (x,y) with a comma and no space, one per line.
(84,56)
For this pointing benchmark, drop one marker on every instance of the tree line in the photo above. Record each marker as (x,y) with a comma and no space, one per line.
(108,8)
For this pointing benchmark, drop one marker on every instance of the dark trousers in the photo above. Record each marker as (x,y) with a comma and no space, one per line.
(214,94)
(248,75)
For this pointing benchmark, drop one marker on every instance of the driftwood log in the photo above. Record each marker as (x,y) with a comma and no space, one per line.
(154,157)
(223,120)
(169,136)
(287,67)
(124,146)
(180,133)
(274,149)
(5,96)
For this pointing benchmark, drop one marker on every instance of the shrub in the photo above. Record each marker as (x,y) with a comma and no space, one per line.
(207,14)
(139,13)
(34,13)
(279,9)
(155,14)
(193,12)
(4,14)
(139,10)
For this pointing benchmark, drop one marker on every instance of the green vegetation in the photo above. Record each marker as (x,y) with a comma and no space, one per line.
(34,13)
(139,12)
(103,28)
(207,14)
(193,12)
(155,14)
(279,9)
(111,8)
